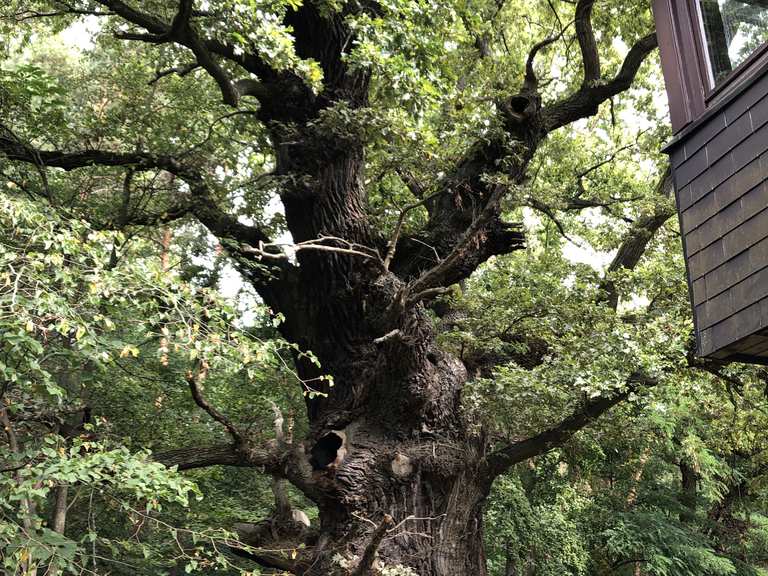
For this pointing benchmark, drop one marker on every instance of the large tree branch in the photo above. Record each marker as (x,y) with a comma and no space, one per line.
(281,460)
(272,541)
(280,457)
(501,460)
(585,101)
(525,123)
(182,32)
(200,203)
(531,82)
(418,253)
(465,227)
(203,457)
(258,543)
(162,31)
(638,237)
(586,37)
(278,541)
(283,95)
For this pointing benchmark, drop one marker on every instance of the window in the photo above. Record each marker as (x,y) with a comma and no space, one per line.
(733,29)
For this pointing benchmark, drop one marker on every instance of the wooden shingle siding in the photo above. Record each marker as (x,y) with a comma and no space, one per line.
(734,239)
(734,299)
(730,217)
(719,159)
(721,180)
(723,195)
(697,141)
(735,328)
(748,99)
(736,270)
(754,344)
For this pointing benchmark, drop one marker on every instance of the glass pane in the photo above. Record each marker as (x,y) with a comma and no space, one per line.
(733,29)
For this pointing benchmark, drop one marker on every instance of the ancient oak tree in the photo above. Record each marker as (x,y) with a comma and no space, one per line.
(398,471)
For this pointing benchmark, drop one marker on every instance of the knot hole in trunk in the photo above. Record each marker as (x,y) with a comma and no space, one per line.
(328,453)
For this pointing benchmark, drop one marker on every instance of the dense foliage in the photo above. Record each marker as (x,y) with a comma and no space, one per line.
(128,338)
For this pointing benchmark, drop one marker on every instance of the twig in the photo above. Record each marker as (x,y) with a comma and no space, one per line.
(210,133)
(364,519)
(366,562)
(547,211)
(348,247)
(388,336)
(611,157)
(416,519)
(182,71)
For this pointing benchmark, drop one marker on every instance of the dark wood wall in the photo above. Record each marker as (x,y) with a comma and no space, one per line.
(720,165)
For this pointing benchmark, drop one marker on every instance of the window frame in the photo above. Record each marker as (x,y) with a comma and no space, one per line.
(713,89)
(685,63)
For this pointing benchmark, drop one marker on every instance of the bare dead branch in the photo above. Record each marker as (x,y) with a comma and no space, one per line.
(319,244)
(363,568)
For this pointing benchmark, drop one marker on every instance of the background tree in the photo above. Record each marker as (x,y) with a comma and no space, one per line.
(405,142)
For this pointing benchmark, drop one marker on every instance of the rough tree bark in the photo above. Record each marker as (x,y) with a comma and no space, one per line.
(388,439)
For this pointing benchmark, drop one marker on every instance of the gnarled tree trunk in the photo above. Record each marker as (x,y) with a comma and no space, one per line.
(387,437)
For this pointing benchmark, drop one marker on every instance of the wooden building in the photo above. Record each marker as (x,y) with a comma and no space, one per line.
(714,54)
